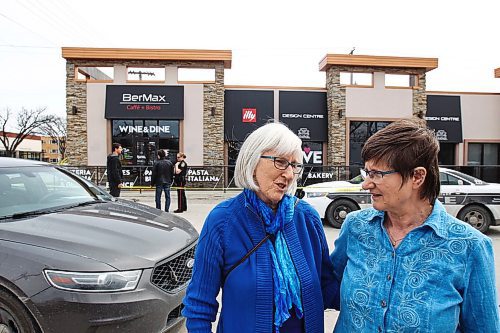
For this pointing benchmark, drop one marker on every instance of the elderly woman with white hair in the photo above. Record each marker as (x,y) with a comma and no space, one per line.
(264,248)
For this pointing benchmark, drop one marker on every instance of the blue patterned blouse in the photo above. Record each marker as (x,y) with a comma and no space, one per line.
(441,278)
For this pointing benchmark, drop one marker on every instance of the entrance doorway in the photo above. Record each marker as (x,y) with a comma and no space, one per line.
(141,139)
(146,149)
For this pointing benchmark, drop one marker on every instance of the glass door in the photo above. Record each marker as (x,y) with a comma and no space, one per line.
(145,149)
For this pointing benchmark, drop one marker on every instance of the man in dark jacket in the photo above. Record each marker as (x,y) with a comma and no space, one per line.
(163,171)
(114,169)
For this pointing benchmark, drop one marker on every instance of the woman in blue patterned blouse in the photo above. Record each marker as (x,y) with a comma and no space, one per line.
(406,265)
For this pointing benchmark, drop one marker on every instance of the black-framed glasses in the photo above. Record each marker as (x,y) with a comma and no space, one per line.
(375,176)
(281,163)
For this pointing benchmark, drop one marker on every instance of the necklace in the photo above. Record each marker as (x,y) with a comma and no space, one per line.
(394,241)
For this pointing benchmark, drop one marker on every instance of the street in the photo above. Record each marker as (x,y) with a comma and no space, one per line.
(201,202)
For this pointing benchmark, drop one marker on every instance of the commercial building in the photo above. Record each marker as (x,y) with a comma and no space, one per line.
(145,100)
(30,148)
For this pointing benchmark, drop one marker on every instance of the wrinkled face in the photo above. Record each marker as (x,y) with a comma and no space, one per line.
(273,183)
(387,194)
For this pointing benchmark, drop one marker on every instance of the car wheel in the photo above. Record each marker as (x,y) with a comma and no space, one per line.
(476,216)
(14,318)
(338,210)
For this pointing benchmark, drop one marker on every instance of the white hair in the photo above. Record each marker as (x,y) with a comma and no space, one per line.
(272,136)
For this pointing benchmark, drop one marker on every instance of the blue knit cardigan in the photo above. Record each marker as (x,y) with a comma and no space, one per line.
(231,230)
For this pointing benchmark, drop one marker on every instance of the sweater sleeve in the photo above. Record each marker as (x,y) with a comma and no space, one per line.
(329,285)
(200,304)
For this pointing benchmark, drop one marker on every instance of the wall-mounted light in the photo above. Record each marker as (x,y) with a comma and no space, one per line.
(74,109)
(340,114)
(212,111)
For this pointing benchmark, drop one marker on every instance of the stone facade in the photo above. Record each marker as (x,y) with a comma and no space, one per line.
(76,99)
(76,96)
(336,97)
(213,134)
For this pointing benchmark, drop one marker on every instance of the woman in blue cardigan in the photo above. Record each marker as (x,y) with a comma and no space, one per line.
(264,249)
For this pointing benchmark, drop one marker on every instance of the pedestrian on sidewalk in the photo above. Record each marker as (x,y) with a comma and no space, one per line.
(162,176)
(114,170)
(180,169)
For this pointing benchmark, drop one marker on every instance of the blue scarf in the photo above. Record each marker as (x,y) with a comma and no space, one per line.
(285,279)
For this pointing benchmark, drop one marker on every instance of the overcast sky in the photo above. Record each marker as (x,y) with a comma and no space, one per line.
(273,42)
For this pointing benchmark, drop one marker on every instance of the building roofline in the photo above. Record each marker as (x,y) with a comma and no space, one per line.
(377,61)
(13,135)
(147,54)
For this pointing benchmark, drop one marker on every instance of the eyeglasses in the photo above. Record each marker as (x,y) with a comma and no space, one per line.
(282,164)
(375,176)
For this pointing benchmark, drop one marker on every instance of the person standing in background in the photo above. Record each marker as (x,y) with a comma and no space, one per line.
(114,170)
(163,171)
(180,170)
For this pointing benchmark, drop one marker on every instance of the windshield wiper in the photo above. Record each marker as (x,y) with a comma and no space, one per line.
(30,213)
(85,203)
(49,210)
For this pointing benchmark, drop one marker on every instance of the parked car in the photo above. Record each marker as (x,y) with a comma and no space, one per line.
(74,259)
(465,197)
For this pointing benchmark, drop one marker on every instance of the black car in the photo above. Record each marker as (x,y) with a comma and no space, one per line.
(73,259)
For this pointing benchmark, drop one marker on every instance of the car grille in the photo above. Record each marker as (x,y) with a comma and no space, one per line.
(175,273)
(175,313)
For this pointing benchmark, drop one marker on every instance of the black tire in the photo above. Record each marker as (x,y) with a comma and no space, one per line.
(14,317)
(477,216)
(337,211)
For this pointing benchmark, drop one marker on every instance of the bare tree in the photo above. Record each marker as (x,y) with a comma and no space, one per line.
(28,122)
(57,132)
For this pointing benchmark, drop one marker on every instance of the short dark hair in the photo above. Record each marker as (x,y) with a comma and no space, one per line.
(115,146)
(404,145)
(161,154)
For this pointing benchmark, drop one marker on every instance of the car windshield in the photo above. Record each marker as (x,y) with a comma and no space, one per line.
(471,179)
(356,180)
(25,190)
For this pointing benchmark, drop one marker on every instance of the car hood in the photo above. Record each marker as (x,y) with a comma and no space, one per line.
(122,234)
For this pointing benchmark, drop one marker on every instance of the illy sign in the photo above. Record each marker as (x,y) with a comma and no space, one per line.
(249,115)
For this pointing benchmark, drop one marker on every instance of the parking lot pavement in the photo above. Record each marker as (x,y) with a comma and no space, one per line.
(201,202)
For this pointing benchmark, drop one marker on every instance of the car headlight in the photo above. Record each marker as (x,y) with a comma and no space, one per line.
(316,194)
(93,281)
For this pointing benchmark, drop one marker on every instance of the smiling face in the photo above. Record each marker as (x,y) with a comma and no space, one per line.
(387,193)
(272,182)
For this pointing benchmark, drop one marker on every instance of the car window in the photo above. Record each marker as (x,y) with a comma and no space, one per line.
(447,179)
(471,179)
(29,189)
(356,180)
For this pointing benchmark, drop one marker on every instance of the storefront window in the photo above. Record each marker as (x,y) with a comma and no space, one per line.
(359,132)
(141,139)
(446,154)
(486,156)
